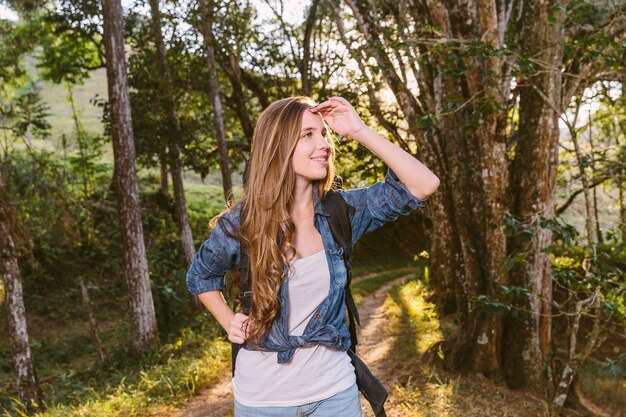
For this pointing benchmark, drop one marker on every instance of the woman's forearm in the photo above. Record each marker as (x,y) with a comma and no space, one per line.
(216,304)
(418,179)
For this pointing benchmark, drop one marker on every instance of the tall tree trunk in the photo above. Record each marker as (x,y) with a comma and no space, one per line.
(143,320)
(207,7)
(173,133)
(25,376)
(306,50)
(533,194)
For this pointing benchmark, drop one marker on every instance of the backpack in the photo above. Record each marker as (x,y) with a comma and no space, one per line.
(339,222)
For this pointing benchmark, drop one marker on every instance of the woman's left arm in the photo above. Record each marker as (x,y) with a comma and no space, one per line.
(343,119)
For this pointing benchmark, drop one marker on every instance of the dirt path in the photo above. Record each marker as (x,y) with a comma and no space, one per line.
(374,343)
(217,401)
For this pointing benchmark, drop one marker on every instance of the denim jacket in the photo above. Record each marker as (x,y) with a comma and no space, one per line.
(374,205)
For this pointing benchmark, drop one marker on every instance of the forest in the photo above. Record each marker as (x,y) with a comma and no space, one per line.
(125,126)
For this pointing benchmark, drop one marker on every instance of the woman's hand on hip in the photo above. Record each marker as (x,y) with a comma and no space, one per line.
(340,116)
(238,331)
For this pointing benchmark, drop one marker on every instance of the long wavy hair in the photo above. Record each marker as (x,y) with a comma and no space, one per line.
(266,229)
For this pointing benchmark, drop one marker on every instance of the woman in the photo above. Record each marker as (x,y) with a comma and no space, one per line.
(294,361)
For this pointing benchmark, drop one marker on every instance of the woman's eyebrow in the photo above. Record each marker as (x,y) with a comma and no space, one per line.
(312,128)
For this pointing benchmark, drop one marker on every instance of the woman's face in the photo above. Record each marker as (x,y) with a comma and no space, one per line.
(310,157)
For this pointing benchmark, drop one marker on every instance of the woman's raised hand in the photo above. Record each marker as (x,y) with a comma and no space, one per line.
(340,116)
(238,328)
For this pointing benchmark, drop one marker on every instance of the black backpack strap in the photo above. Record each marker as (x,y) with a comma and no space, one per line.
(243,298)
(339,221)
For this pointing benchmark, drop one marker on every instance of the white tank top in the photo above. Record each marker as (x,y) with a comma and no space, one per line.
(315,372)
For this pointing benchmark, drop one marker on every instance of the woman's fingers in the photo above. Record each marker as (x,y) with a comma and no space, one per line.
(238,332)
(332,102)
(339,99)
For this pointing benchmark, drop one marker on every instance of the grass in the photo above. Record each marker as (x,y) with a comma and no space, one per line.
(364,287)
(364,266)
(167,377)
(56,97)
(73,383)
(418,389)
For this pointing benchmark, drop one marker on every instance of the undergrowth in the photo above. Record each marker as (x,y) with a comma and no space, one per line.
(170,374)
(417,389)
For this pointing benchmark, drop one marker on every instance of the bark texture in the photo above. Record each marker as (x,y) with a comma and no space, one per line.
(143,324)
(25,376)
(533,192)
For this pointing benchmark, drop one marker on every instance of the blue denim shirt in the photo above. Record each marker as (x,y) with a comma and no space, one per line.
(374,205)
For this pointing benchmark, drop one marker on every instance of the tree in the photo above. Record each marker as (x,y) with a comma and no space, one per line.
(173,134)
(26,378)
(207,13)
(142,315)
(481,87)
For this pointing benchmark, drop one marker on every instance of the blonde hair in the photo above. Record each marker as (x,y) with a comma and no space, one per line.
(266,229)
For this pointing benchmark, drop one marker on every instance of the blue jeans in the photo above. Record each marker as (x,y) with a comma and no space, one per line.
(345,404)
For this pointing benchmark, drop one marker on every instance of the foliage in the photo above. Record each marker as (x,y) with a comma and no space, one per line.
(169,374)
(73,235)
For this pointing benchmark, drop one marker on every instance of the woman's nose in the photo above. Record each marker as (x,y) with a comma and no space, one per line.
(324,143)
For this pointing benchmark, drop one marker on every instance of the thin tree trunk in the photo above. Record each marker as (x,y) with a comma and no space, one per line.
(306,50)
(207,31)
(575,357)
(174,135)
(180,203)
(621,173)
(621,197)
(25,375)
(589,205)
(163,182)
(234,72)
(143,320)
(621,201)
(93,324)
(596,220)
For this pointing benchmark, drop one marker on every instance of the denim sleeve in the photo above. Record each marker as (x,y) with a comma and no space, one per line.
(216,256)
(379,203)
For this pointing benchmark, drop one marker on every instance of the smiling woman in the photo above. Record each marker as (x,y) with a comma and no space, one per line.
(295,334)
(310,157)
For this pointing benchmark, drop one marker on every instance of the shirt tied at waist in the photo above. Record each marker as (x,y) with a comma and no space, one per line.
(326,335)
